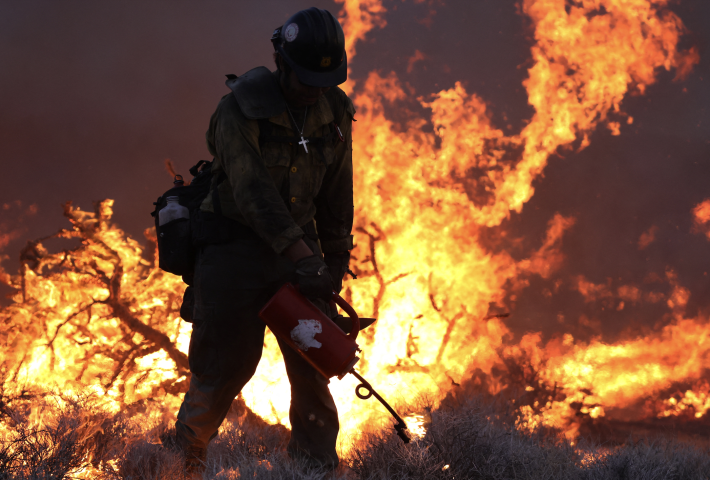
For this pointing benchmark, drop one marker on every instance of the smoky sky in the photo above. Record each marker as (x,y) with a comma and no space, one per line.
(94,96)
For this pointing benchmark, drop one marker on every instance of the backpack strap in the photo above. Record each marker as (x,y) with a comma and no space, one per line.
(195,169)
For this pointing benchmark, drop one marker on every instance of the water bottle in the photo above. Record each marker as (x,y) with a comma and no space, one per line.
(172,211)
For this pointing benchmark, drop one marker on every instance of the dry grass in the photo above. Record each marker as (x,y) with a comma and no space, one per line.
(469,438)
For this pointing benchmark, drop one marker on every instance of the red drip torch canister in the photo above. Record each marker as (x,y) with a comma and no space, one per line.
(294,319)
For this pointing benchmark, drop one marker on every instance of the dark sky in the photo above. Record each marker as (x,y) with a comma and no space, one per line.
(94,96)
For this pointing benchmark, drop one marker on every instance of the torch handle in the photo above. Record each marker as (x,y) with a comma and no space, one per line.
(355,329)
(364,384)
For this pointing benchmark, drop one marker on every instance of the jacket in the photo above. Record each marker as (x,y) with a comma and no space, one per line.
(275,187)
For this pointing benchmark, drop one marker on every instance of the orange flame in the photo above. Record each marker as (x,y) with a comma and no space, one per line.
(701,215)
(358,17)
(423,202)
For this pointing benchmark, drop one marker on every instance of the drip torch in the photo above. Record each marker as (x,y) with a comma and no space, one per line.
(322,343)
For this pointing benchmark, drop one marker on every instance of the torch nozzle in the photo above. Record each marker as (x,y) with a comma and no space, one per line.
(400,426)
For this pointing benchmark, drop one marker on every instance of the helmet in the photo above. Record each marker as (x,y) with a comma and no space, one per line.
(313,45)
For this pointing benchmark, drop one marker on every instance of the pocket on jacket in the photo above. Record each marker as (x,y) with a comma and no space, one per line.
(276,154)
(327,154)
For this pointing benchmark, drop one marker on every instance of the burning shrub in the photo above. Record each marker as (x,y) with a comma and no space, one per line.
(100,315)
(473,436)
(50,436)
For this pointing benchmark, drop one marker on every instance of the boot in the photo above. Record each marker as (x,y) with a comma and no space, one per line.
(195,458)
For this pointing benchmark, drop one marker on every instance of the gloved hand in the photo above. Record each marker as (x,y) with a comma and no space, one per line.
(337,265)
(314,280)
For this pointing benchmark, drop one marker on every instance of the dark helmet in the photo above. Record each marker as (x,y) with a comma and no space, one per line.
(313,45)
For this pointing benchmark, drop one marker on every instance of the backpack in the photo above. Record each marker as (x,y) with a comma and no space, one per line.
(176,248)
(179,239)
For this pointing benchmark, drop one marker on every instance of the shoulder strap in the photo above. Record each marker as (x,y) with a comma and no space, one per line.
(195,169)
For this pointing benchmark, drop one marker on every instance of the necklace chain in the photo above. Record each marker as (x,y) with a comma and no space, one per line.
(300,131)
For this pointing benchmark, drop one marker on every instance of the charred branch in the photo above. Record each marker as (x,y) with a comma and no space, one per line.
(154,336)
(90,307)
(372,259)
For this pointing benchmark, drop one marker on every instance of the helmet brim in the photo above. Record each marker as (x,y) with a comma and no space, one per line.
(317,79)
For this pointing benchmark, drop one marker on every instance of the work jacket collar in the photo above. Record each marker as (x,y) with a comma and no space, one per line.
(258,93)
(318,115)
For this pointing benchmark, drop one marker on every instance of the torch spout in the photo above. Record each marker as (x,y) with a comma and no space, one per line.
(365,385)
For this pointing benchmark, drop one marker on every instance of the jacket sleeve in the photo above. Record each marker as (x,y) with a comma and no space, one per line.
(235,142)
(334,202)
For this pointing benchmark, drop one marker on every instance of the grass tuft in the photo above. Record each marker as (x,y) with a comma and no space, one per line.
(50,437)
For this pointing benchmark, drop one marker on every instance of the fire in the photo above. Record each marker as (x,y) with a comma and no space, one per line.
(109,318)
(421,209)
(694,402)
(102,317)
(701,214)
(357,18)
(416,427)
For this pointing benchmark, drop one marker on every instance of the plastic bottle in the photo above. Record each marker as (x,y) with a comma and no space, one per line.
(172,211)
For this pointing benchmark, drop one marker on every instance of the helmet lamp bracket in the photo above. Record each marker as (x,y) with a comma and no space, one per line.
(276,36)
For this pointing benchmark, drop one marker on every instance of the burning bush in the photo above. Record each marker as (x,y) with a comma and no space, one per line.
(92,379)
(100,315)
(98,323)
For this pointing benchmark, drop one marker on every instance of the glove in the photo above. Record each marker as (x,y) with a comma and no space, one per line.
(314,280)
(338,266)
(188,304)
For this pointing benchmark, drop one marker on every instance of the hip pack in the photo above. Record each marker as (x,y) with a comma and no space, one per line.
(181,227)
(173,214)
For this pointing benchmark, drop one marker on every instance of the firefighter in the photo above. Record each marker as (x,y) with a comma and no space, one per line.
(280,210)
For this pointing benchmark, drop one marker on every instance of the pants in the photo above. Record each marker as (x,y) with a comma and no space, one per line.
(233,281)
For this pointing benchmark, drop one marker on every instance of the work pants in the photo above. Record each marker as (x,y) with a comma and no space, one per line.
(233,281)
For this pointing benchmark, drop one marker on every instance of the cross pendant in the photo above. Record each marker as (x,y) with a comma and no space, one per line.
(303,142)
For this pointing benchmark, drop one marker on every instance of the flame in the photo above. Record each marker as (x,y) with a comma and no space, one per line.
(421,208)
(416,425)
(102,317)
(701,216)
(110,319)
(357,18)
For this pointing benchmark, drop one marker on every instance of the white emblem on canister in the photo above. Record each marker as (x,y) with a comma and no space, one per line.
(291,32)
(303,335)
